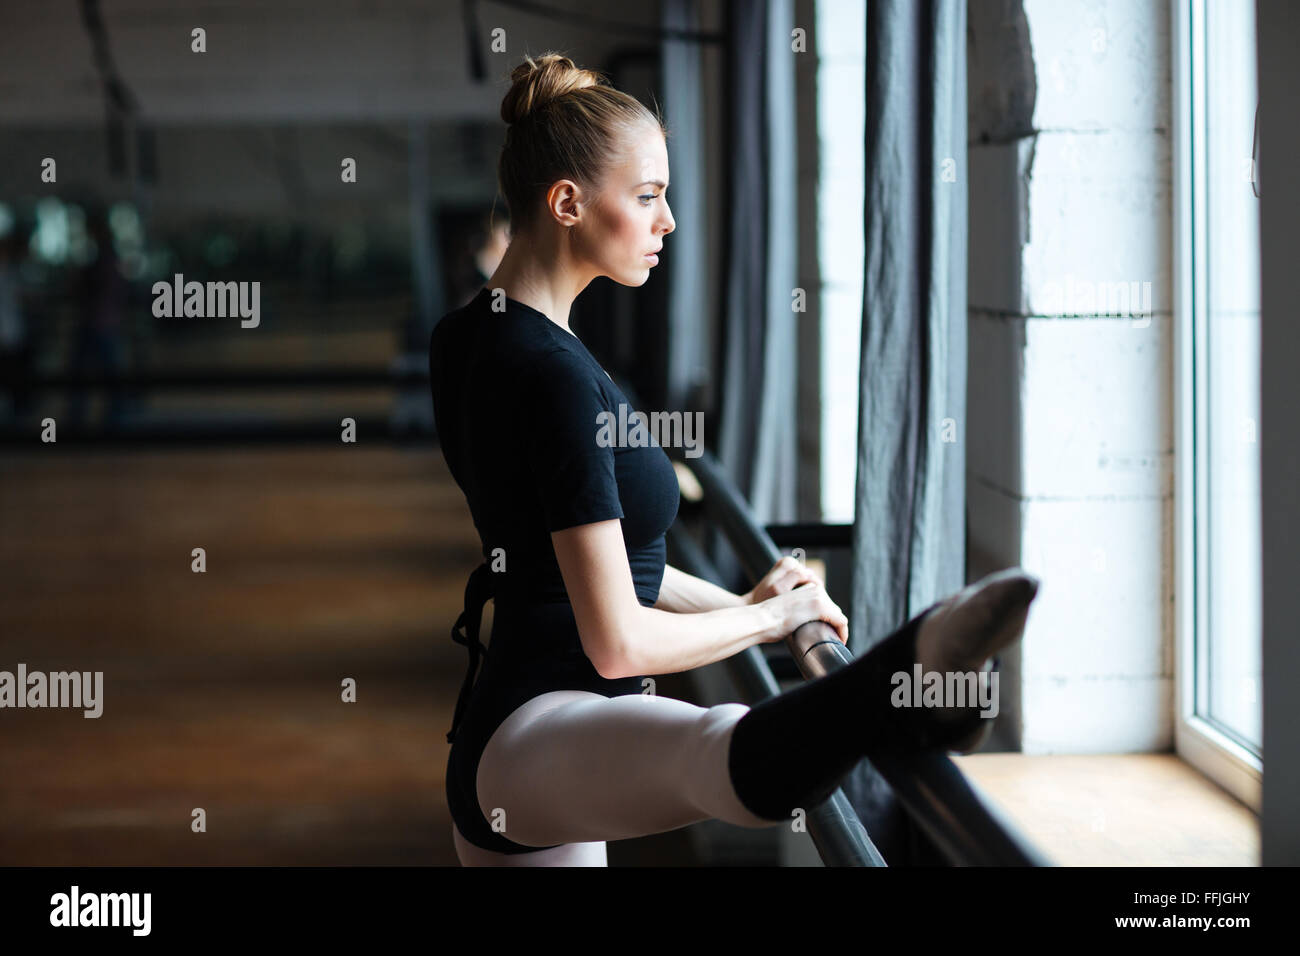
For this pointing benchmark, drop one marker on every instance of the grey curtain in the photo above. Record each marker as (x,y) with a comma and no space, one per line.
(909,529)
(756,435)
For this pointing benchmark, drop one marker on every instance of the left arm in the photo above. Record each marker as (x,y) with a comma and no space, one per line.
(684,593)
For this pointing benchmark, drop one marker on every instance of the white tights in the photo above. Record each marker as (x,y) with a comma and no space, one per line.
(576,768)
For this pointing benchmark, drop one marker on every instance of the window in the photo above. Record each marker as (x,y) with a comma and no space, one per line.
(841,122)
(1218,662)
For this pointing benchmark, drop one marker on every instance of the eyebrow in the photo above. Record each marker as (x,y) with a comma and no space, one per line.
(652,182)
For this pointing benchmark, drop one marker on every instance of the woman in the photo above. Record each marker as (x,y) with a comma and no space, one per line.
(557,749)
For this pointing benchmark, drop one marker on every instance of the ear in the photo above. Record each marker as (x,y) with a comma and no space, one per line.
(564,202)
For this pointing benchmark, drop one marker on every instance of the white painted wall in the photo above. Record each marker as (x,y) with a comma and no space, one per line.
(1070,417)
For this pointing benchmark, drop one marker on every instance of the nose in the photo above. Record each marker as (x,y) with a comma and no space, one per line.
(668,220)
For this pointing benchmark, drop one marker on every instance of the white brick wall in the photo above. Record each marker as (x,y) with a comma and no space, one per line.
(1070,409)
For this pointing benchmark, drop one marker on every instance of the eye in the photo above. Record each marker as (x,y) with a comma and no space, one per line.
(644,199)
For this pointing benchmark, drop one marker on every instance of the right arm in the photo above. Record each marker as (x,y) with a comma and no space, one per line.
(572,470)
(623,638)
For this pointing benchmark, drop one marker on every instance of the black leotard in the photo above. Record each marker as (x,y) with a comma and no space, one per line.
(516,402)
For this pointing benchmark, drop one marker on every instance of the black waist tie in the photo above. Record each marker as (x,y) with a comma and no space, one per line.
(481,587)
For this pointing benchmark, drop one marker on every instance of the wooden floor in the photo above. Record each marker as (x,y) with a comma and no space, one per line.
(222,689)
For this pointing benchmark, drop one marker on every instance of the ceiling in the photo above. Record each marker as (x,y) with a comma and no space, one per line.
(278,61)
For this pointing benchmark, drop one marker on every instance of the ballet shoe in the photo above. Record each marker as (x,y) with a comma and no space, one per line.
(960,635)
(963,632)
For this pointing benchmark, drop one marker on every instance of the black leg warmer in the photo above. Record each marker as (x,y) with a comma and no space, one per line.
(793,750)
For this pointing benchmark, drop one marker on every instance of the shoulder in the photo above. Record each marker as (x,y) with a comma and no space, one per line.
(562,376)
(555,359)
(447,330)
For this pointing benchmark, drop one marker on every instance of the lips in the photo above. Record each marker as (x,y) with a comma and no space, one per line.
(654,259)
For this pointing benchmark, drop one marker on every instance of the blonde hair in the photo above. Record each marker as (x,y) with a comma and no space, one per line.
(562,123)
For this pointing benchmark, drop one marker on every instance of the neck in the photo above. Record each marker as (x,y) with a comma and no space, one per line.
(539,270)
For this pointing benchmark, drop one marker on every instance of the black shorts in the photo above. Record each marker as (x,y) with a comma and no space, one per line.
(497,694)
(485,714)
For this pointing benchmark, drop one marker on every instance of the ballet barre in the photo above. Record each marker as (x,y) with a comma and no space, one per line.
(962,823)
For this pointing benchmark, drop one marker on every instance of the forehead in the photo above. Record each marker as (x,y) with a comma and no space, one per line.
(642,156)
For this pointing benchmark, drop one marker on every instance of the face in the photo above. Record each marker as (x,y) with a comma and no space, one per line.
(626,221)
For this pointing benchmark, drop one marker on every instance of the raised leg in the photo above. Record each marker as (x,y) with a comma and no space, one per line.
(574,767)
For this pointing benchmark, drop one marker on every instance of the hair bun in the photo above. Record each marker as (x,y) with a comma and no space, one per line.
(534,83)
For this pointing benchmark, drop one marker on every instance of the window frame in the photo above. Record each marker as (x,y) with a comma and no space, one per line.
(1196,741)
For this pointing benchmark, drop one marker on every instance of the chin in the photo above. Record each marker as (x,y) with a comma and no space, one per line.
(634,279)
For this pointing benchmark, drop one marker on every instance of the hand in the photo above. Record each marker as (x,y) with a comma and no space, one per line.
(786,575)
(807,602)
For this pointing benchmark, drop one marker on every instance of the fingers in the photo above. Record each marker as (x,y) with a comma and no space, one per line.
(788,573)
(782,565)
(824,609)
(780,571)
(791,580)
(841,625)
(835,617)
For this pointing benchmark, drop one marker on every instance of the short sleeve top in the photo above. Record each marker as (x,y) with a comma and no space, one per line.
(529,423)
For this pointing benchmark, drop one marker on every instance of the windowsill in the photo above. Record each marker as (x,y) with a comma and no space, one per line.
(1117,809)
